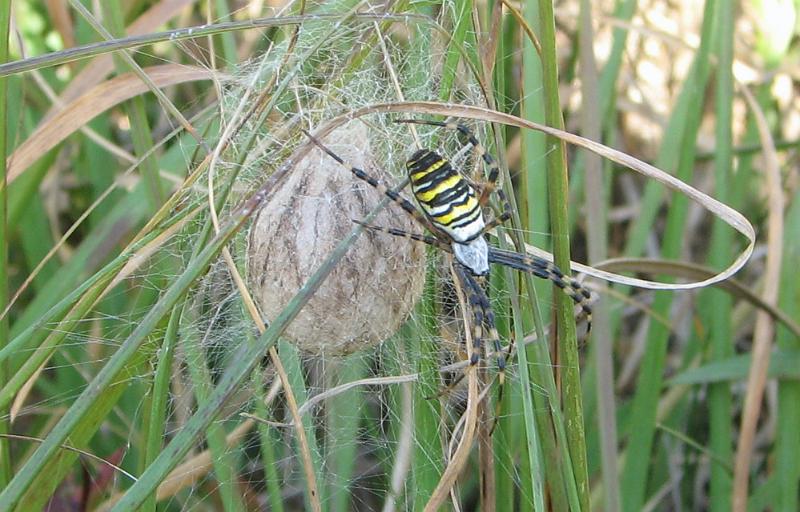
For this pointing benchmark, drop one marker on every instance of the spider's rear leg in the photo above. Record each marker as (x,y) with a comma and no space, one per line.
(544,269)
(483,315)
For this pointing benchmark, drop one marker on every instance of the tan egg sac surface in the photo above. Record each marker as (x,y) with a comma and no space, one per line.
(372,290)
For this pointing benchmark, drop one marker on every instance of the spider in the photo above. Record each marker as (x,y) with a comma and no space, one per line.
(451,209)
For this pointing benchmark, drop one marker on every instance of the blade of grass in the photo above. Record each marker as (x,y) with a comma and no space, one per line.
(787,442)
(719,302)
(343,437)
(269,443)
(597,240)
(228,46)
(764,329)
(558,192)
(623,10)
(156,428)
(784,365)
(427,462)
(543,466)
(135,107)
(5,457)
(290,358)
(222,459)
(636,471)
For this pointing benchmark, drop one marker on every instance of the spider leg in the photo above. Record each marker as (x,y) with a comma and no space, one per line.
(401,201)
(426,239)
(483,315)
(546,270)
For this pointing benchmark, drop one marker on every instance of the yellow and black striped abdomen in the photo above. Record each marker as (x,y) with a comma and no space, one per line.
(447,199)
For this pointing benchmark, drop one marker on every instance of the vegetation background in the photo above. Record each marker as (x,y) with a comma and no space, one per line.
(129,343)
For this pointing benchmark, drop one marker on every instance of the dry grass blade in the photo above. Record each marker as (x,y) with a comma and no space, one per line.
(91,104)
(699,272)
(724,212)
(764,328)
(102,65)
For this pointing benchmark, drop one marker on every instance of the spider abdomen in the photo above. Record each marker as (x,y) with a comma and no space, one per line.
(446,198)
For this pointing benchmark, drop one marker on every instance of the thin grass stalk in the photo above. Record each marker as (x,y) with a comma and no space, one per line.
(543,462)
(269,443)
(506,440)
(6,471)
(156,429)
(597,240)
(222,459)
(623,11)
(533,203)
(721,303)
(5,15)
(227,42)
(136,109)
(787,441)
(462,21)
(534,439)
(545,459)
(427,465)
(344,413)
(558,191)
(293,366)
(539,450)
(132,42)
(637,468)
(764,329)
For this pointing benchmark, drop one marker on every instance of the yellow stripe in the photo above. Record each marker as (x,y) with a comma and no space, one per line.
(447,218)
(421,174)
(441,188)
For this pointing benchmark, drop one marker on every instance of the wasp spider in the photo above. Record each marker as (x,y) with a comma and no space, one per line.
(451,208)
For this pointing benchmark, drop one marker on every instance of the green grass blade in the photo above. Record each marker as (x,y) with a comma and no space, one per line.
(5,455)
(222,459)
(558,191)
(156,428)
(720,303)
(787,442)
(636,471)
(427,463)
